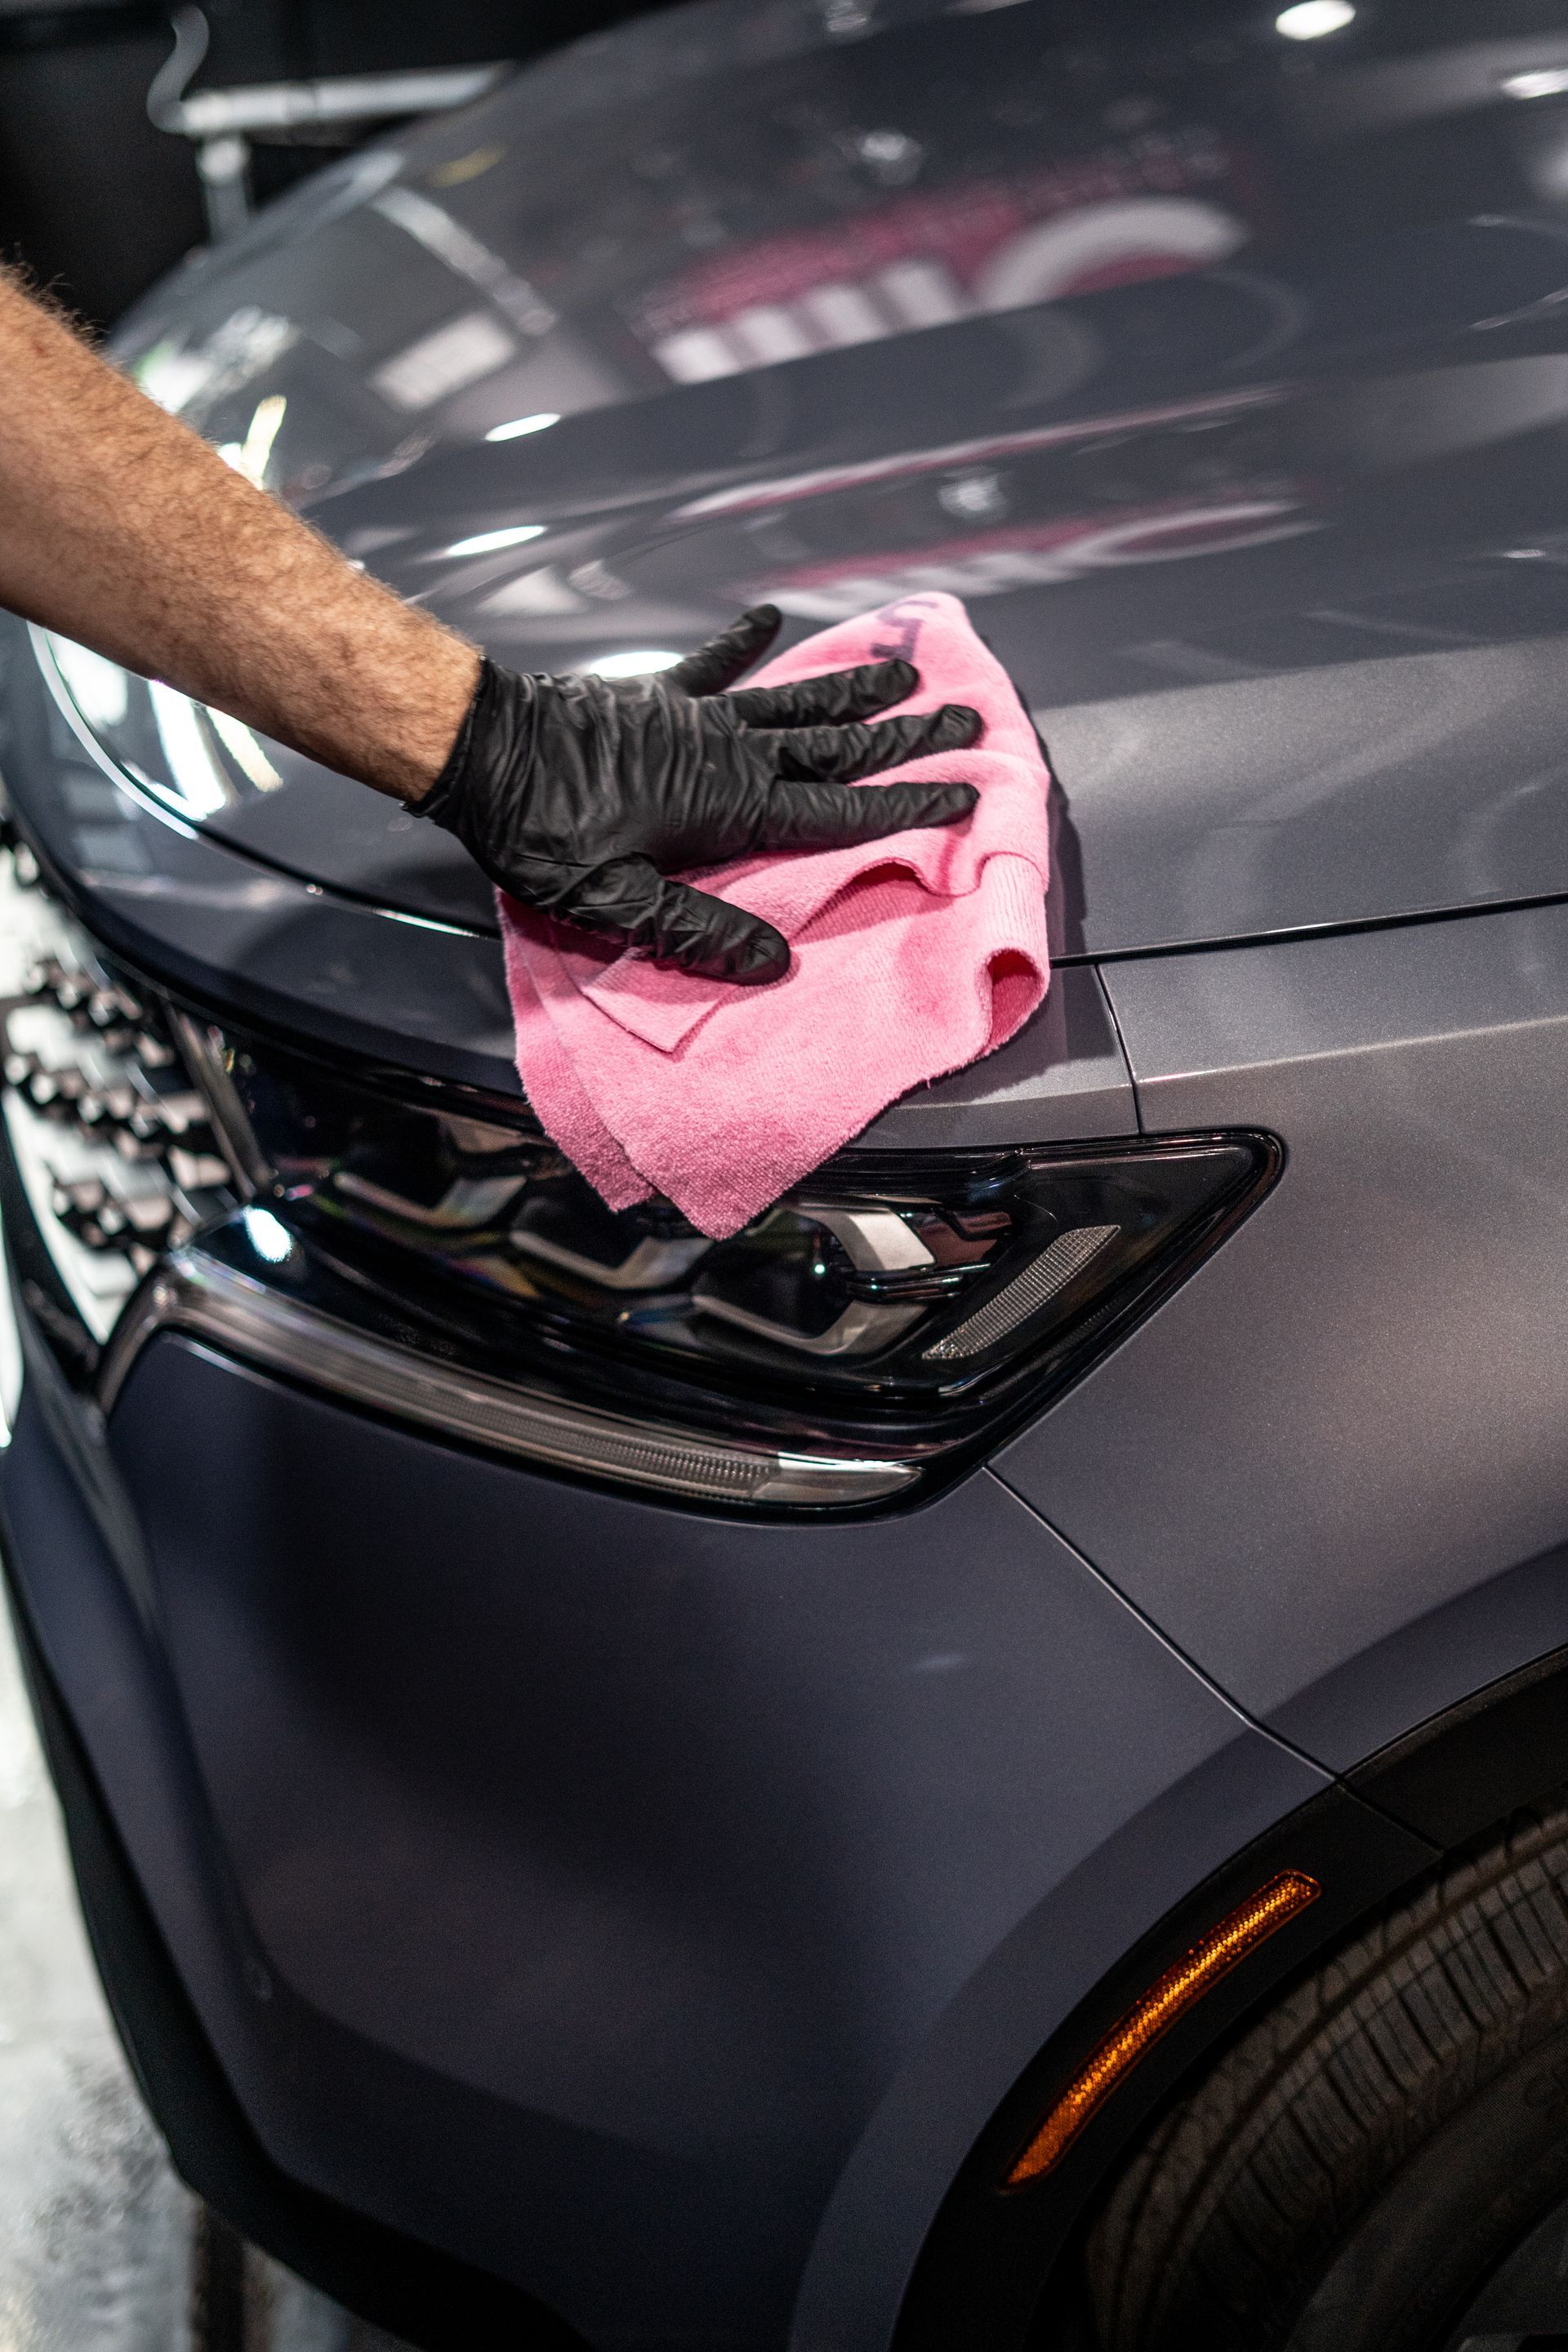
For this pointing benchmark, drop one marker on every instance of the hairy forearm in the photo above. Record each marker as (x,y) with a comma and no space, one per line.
(120,527)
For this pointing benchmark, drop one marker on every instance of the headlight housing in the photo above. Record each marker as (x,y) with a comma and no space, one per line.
(890,1316)
(429,1253)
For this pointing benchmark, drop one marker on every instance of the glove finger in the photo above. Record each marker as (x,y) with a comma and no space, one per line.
(836,816)
(678,925)
(841,694)
(730,654)
(857,751)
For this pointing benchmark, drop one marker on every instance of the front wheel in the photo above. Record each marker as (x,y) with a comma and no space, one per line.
(1374,2166)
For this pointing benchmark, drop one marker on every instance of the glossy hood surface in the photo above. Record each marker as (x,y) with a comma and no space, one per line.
(1223,374)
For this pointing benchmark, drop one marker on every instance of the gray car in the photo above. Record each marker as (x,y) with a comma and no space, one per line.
(985,1763)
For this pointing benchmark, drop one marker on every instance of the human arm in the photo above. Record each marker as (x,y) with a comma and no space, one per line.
(120,528)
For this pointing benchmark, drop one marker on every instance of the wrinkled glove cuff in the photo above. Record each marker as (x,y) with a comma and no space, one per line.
(447,789)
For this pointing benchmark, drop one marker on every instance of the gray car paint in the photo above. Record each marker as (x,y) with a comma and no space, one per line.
(1063,1076)
(1327,1468)
(1297,516)
(603,1872)
(1352,1417)
(1295,645)
(269,948)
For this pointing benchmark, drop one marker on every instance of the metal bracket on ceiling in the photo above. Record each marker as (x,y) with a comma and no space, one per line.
(224,125)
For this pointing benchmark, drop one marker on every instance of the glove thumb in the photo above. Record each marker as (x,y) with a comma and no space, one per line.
(726,656)
(678,925)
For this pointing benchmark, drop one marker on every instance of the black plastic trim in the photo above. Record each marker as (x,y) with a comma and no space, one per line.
(433,2303)
(1465,1769)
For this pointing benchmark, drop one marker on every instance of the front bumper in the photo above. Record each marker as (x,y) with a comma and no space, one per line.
(644,1910)
(568,1883)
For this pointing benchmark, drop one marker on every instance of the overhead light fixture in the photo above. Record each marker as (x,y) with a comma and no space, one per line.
(640,664)
(1551,81)
(1309,20)
(518,425)
(485,542)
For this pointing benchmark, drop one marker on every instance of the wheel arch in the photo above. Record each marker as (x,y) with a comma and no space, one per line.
(991,2257)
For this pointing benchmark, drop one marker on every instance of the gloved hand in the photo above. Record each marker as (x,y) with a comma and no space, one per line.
(579,795)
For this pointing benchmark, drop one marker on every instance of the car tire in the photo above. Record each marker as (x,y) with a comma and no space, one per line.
(1366,2156)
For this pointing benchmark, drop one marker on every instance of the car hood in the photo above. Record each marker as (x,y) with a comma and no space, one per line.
(1251,470)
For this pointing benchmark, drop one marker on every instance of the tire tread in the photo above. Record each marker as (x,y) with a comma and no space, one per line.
(1237,2197)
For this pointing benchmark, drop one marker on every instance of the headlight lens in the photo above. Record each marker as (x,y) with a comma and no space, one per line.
(439,1259)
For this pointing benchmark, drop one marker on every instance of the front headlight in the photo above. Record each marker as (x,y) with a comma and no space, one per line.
(428,1253)
(892,1315)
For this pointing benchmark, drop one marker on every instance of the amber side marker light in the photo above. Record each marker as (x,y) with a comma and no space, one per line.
(1154,2012)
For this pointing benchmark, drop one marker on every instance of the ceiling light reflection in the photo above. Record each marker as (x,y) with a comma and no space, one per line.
(1309,20)
(99,688)
(269,1237)
(1550,82)
(260,434)
(200,784)
(518,425)
(245,750)
(640,664)
(485,542)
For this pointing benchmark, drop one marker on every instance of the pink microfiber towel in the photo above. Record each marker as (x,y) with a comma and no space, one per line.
(912,956)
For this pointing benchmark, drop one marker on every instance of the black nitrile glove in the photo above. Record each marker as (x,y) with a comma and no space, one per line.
(579,795)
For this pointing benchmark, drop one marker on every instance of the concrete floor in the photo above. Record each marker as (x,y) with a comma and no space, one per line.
(101,2248)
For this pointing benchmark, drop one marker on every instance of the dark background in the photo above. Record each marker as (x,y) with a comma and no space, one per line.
(97,204)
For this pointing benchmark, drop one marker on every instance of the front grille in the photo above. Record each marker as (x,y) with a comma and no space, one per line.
(111,1141)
